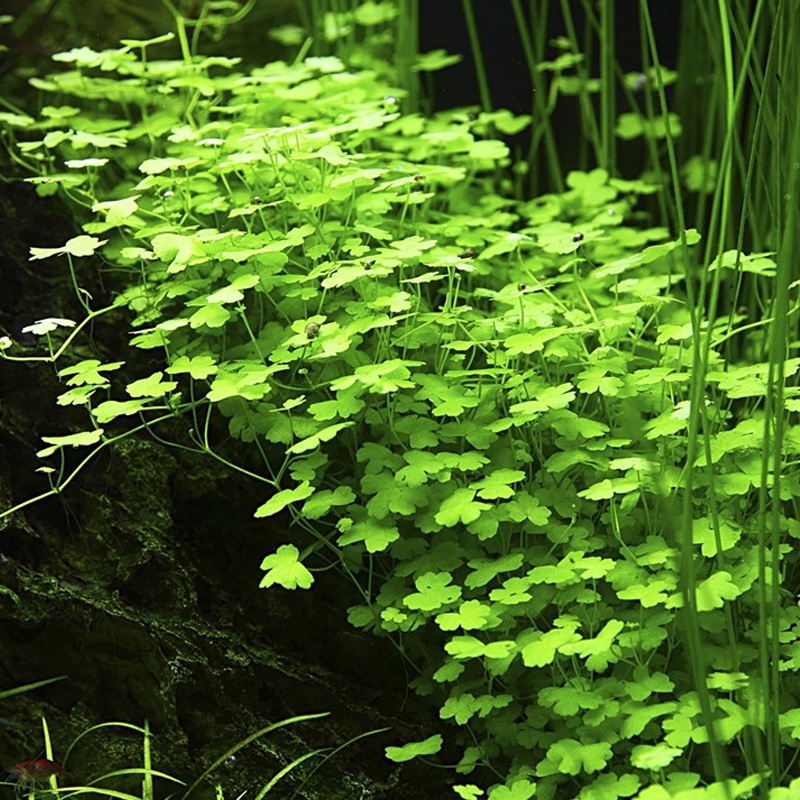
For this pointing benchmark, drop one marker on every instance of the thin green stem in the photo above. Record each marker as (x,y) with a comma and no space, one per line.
(477,55)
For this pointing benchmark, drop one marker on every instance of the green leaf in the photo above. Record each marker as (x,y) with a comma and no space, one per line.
(117,210)
(283,567)
(654,757)
(246,379)
(704,535)
(435,60)
(177,249)
(525,507)
(568,700)
(199,367)
(461,708)
(84,439)
(489,149)
(472,615)
(88,372)
(346,404)
(43,326)
(81,163)
(234,292)
(376,535)
(155,166)
(460,507)
(653,593)
(448,672)
(513,593)
(78,246)
(631,126)
(391,496)
(383,378)
(596,379)
(571,757)
(467,791)
(433,592)
(486,569)
(323,435)
(421,466)
(111,409)
(497,484)
(285,497)
(213,315)
(715,590)
(427,747)
(551,397)
(463,647)
(518,790)
(542,649)
(321,503)
(152,386)
(531,342)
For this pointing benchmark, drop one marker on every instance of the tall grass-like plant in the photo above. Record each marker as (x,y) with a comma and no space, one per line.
(113,783)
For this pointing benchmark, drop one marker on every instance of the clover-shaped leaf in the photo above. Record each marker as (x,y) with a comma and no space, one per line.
(467,791)
(111,409)
(421,465)
(541,650)
(234,292)
(652,593)
(498,484)
(531,342)
(152,386)
(472,615)
(462,647)
(485,569)
(704,534)
(284,567)
(550,397)
(80,163)
(323,435)
(715,590)
(460,707)
(376,535)
(322,502)
(433,592)
(654,757)
(83,439)
(87,372)
(572,757)
(115,210)
(525,507)
(78,246)
(610,787)
(460,507)
(519,790)
(450,671)
(427,747)
(44,326)
(199,367)
(434,60)
(213,315)
(285,497)
(514,592)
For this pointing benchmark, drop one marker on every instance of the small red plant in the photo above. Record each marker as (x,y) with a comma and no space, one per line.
(38,770)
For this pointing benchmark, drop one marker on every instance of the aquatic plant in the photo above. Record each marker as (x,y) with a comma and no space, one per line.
(550,441)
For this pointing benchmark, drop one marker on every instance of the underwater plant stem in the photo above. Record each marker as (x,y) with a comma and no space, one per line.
(608,90)
(477,55)
(541,117)
(688,580)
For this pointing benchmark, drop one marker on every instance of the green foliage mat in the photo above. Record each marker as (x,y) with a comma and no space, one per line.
(477,406)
